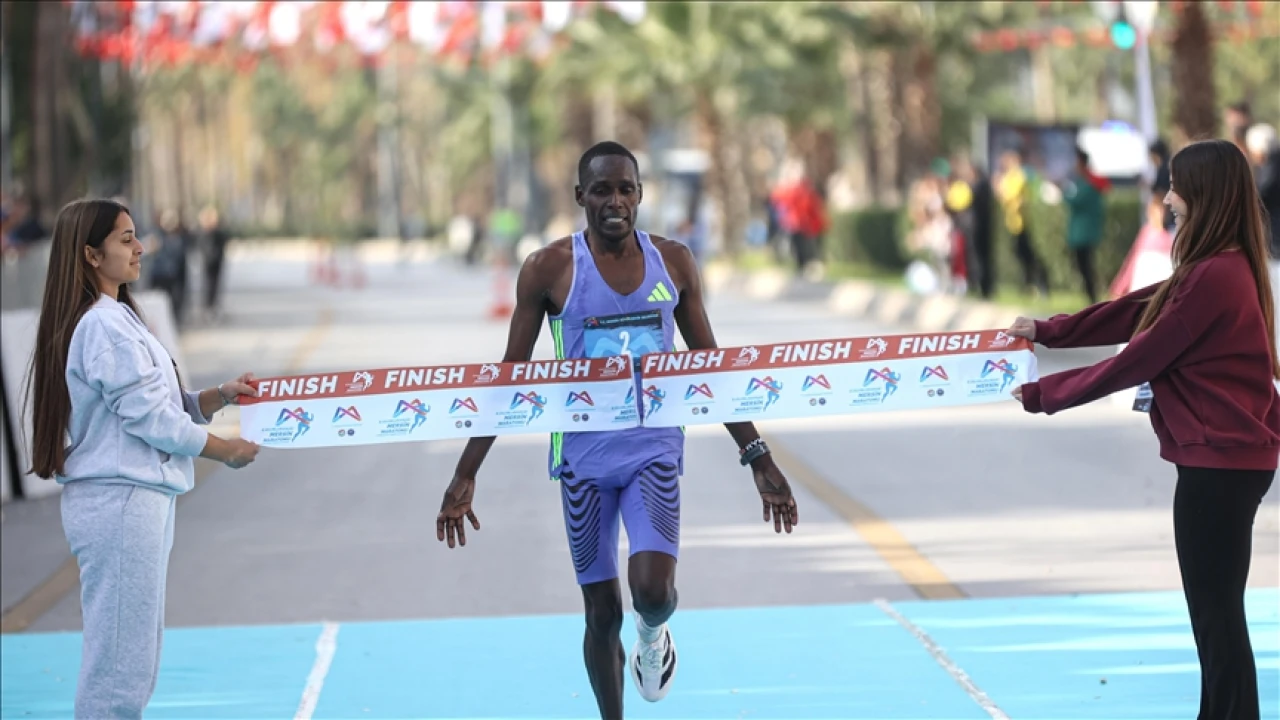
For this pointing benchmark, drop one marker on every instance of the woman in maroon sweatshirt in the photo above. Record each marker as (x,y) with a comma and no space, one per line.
(1205,341)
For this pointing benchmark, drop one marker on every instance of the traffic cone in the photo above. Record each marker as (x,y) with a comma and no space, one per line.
(357,275)
(319,274)
(332,275)
(501,307)
(324,271)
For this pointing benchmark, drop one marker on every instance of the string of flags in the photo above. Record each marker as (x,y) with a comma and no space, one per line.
(153,33)
(1235,21)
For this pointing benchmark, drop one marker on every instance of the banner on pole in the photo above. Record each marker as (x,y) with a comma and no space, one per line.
(833,377)
(433,403)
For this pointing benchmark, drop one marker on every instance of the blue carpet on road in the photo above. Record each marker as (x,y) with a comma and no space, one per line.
(1082,657)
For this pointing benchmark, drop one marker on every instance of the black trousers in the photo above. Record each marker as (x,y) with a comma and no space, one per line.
(1084,264)
(212,282)
(1213,513)
(804,248)
(1034,273)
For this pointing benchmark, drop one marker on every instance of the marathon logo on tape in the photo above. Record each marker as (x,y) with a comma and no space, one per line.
(694,387)
(834,377)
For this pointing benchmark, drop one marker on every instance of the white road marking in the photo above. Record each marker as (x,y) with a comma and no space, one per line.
(326,647)
(947,664)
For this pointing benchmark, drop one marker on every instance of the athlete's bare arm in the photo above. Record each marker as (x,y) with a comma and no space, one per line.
(540,286)
(695,328)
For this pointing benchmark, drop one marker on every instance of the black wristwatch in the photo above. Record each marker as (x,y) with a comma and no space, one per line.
(754,449)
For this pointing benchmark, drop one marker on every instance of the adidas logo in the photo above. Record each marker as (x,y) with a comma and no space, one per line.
(660,293)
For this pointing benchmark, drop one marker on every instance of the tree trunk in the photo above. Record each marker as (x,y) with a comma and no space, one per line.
(921,113)
(884,104)
(604,113)
(764,148)
(865,165)
(47,166)
(716,114)
(560,164)
(182,188)
(818,150)
(635,124)
(1195,109)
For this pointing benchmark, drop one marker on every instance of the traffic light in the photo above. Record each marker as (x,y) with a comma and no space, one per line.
(1123,36)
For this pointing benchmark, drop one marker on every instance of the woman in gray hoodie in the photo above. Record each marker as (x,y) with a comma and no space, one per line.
(113,424)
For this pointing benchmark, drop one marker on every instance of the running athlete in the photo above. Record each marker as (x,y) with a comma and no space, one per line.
(614,290)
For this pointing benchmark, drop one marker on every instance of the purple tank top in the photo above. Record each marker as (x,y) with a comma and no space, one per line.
(598,322)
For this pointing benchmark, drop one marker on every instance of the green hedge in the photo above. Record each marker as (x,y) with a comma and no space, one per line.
(1049,236)
(876,236)
(868,237)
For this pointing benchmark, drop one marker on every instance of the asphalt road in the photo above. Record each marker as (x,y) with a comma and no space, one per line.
(990,501)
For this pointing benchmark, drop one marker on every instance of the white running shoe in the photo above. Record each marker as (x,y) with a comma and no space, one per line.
(653,665)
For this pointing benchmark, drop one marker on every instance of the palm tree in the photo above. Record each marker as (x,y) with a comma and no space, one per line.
(1195,104)
(711,60)
(900,48)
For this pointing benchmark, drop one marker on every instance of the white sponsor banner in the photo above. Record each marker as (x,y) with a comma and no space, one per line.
(432,403)
(785,380)
(833,377)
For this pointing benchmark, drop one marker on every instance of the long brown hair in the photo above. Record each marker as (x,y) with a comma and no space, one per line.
(70,290)
(1224,212)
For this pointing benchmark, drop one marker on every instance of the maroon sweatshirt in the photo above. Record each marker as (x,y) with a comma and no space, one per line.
(1215,403)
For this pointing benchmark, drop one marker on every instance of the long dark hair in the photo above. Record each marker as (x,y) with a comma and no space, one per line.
(1224,212)
(70,290)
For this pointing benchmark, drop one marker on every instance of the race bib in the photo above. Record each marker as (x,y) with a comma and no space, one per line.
(632,334)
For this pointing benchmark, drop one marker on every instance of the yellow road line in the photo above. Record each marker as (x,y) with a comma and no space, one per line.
(916,570)
(67,577)
(42,599)
(310,342)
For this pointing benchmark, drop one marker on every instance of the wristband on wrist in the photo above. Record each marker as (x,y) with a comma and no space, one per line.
(754,449)
(223,398)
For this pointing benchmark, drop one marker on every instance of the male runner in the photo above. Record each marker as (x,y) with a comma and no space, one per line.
(614,290)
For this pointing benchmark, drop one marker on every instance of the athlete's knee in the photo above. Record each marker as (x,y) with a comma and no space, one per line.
(603,607)
(654,595)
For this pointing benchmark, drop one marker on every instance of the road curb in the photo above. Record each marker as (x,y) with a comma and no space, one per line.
(863,298)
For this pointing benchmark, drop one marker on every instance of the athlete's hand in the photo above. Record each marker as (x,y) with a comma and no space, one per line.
(1023,328)
(776,494)
(456,506)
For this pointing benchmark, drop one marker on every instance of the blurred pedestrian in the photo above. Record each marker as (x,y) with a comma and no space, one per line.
(1013,187)
(169,266)
(1158,154)
(1083,192)
(802,215)
(969,197)
(1205,341)
(931,238)
(23,227)
(213,243)
(1264,152)
(1150,260)
(1237,118)
(115,427)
